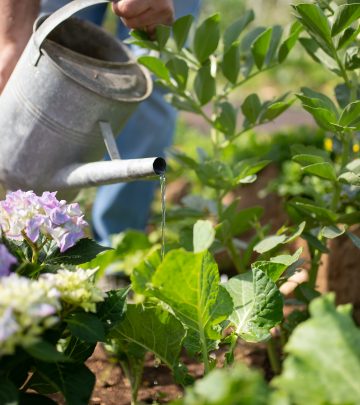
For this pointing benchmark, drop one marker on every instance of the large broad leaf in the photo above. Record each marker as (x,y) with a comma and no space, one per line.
(84,251)
(228,386)
(74,381)
(87,327)
(207,38)
(113,308)
(345,15)
(189,284)
(323,362)
(181,28)
(258,305)
(153,330)
(233,32)
(9,394)
(46,352)
(203,236)
(162,35)
(272,269)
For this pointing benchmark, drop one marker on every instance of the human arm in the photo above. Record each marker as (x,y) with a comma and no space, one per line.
(145,14)
(16,20)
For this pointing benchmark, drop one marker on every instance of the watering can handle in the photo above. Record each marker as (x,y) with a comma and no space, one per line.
(57,18)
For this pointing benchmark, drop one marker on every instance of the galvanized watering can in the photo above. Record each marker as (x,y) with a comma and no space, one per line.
(72,89)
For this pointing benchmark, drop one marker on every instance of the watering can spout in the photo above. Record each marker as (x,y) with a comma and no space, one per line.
(77,176)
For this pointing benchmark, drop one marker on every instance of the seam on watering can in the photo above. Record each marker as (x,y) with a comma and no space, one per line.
(76,136)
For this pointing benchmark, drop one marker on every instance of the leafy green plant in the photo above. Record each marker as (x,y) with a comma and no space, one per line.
(201,78)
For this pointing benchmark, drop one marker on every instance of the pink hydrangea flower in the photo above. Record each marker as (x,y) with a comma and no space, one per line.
(6,261)
(23,213)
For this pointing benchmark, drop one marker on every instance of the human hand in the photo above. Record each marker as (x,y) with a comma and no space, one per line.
(9,55)
(145,15)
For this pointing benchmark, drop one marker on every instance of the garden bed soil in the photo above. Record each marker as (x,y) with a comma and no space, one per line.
(112,388)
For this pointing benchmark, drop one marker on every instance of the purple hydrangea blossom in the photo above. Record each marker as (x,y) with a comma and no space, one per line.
(24,214)
(6,261)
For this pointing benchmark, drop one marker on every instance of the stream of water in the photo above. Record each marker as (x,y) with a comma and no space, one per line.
(163,212)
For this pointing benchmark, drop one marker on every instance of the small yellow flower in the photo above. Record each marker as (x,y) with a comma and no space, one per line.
(328,144)
(356,148)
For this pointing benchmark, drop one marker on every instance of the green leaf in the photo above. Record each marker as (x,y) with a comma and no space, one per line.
(323,359)
(226,119)
(269,243)
(201,307)
(113,308)
(319,55)
(315,99)
(183,104)
(347,36)
(233,32)
(323,117)
(345,15)
(350,178)
(247,59)
(231,62)
(162,35)
(181,28)
(276,35)
(331,232)
(204,235)
(206,38)
(87,327)
(354,238)
(241,221)
(179,70)
(314,20)
(153,330)
(271,269)
(143,273)
(156,66)
(84,251)
(258,305)
(237,385)
(352,58)
(204,85)
(251,108)
(9,394)
(307,159)
(34,399)
(75,381)
(350,117)
(289,42)
(216,174)
(316,212)
(273,110)
(323,170)
(260,46)
(46,352)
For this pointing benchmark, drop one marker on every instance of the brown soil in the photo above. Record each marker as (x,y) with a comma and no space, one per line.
(112,388)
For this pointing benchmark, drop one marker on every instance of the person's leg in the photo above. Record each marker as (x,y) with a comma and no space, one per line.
(127,205)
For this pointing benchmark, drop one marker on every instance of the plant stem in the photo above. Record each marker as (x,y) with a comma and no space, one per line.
(273,356)
(316,256)
(33,246)
(235,256)
(204,351)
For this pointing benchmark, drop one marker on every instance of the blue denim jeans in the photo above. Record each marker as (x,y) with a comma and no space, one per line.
(147,133)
